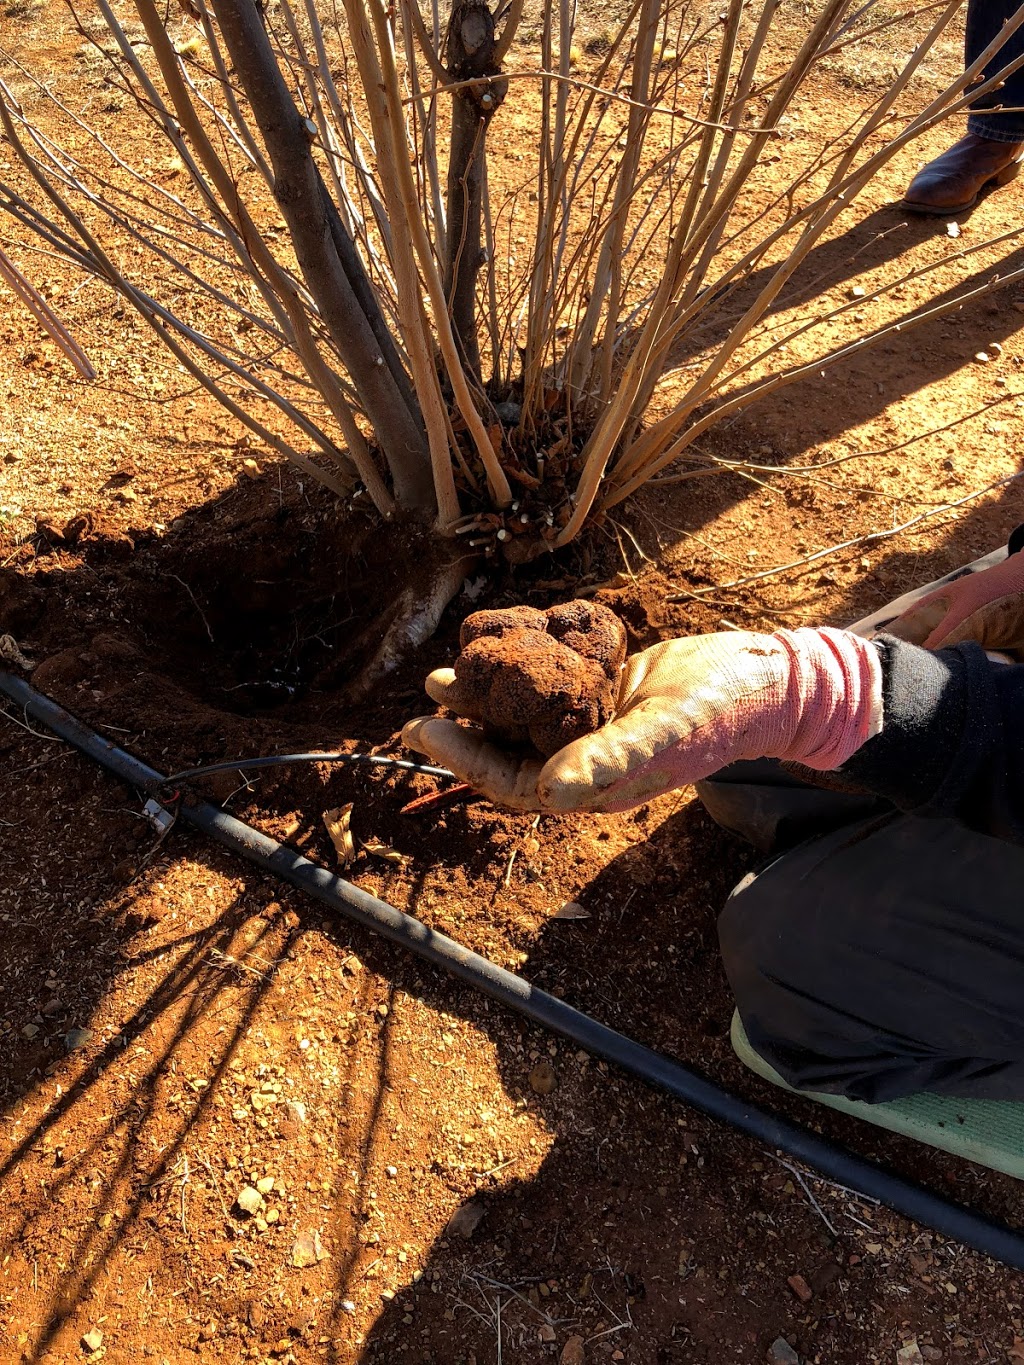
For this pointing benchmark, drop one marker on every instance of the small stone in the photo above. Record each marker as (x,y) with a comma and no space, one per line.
(857,292)
(29,1030)
(982,357)
(800,1288)
(251,469)
(307,1250)
(909,1354)
(53,1006)
(543,1079)
(391,1171)
(273,1216)
(572,1352)
(933,1354)
(571,910)
(77,1037)
(93,1340)
(465,1220)
(249,1200)
(781,1353)
(265,1185)
(347,1306)
(953,229)
(547,1332)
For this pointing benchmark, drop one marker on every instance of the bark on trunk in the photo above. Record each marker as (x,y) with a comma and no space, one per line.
(471,53)
(302,198)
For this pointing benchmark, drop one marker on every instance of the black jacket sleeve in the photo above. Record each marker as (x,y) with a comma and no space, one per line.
(952,743)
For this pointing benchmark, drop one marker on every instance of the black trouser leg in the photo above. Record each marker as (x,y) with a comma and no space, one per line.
(884,958)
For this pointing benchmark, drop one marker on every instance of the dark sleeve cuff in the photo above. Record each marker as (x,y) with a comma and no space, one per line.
(940,728)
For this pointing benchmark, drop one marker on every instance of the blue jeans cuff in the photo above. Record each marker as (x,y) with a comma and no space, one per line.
(997,127)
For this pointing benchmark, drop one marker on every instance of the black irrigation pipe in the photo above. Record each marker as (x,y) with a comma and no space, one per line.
(243,765)
(772,1130)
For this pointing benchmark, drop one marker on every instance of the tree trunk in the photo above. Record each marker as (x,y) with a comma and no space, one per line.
(471,55)
(302,198)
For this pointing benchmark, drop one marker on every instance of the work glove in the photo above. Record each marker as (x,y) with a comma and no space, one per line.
(987,607)
(686,708)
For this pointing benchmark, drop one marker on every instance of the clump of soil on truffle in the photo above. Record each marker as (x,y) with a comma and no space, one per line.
(541,677)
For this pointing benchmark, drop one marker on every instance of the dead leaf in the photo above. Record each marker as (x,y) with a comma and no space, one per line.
(571,910)
(378,850)
(465,1220)
(338,822)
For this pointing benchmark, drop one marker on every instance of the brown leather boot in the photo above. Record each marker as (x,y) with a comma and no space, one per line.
(952,182)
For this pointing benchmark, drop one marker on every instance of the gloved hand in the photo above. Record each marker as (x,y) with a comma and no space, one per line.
(686,708)
(987,607)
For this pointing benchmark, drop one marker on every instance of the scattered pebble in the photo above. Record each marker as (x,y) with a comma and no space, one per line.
(347,1306)
(781,1353)
(572,910)
(857,292)
(307,1250)
(77,1037)
(543,1079)
(572,1352)
(547,1332)
(982,357)
(800,1288)
(249,1200)
(265,1185)
(391,1171)
(465,1220)
(910,1354)
(952,229)
(93,1340)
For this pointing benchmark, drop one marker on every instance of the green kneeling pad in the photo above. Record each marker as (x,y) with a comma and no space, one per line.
(989,1132)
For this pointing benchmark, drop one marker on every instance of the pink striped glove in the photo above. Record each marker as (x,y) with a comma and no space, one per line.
(987,607)
(686,708)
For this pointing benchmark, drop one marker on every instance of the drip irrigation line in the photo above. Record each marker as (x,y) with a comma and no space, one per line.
(772,1130)
(283,760)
